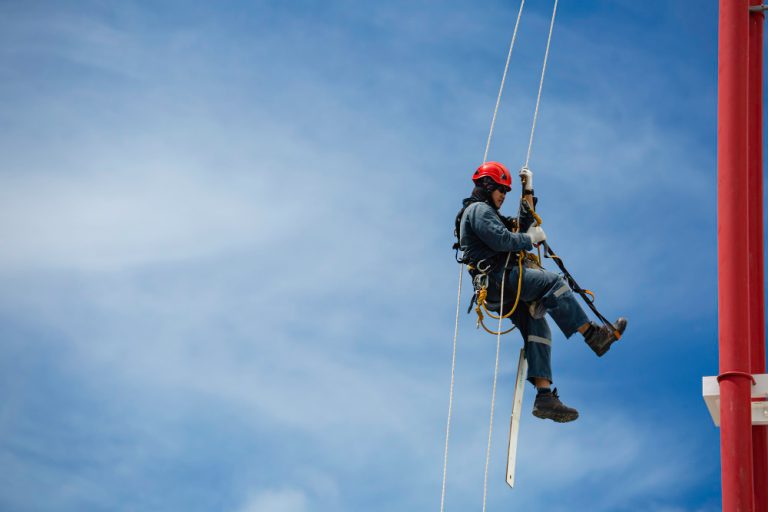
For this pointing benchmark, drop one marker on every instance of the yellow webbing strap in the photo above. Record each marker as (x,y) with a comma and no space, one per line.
(483,293)
(482,324)
(536,216)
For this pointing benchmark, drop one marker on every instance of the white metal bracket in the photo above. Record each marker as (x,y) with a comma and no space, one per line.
(758,8)
(711,393)
(514,421)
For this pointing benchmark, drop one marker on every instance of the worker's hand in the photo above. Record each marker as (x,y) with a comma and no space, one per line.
(537,234)
(526,175)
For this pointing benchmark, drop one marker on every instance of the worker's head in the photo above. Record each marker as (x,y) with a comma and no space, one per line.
(492,182)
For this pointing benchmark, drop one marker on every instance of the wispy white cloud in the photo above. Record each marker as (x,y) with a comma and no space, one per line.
(95,222)
(284,500)
(262,242)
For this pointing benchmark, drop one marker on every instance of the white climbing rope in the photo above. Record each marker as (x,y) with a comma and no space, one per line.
(461,266)
(503,79)
(450,397)
(503,281)
(541,85)
(495,378)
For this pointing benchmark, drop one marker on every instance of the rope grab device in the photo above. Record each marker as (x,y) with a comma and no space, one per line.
(480,283)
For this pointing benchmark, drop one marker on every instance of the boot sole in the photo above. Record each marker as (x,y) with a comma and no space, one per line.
(562,417)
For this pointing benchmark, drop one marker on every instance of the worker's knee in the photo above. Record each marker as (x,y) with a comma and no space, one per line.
(557,289)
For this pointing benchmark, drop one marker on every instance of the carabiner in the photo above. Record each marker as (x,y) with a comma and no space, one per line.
(480,282)
(483,267)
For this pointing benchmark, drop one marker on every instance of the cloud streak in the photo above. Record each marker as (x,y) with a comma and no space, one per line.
(225,265)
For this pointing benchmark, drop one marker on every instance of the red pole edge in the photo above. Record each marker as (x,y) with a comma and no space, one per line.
(733,261)
(755,247)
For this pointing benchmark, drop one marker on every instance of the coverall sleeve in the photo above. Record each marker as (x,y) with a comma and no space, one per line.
(489,228)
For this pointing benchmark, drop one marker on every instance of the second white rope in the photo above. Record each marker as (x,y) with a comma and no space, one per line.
(495,379)
(541,85)
(450,395)
(503,79)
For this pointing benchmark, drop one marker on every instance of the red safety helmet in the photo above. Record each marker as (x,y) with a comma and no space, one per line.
(496,171)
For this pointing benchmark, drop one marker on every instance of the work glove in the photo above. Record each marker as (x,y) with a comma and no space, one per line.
(526,175)
(537,234)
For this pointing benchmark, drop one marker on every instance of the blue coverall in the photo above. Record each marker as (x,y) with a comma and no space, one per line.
(483,236)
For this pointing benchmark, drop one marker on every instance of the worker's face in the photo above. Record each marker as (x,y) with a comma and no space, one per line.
(498,196)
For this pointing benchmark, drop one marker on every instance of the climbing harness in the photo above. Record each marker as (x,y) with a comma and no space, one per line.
(480,283)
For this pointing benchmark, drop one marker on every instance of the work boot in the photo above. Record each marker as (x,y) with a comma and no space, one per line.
(601,337)
(549,407)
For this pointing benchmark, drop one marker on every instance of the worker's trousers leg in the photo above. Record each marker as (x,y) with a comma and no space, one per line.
(553,292)
(537,340)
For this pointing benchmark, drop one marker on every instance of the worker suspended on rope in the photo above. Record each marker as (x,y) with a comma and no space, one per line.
(487,240)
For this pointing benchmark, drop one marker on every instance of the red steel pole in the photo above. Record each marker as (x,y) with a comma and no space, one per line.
(755,223)
(733,261)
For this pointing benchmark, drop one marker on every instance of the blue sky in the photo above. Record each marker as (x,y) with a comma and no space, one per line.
(226,280)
